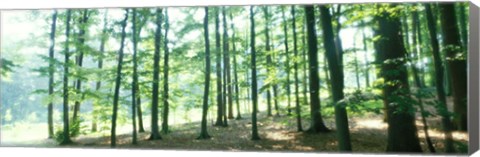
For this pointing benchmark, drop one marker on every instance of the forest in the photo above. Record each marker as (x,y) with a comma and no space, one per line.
(367,77)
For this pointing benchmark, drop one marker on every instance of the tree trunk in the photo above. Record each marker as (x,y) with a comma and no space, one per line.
(317,124)
(227,65)
(287,64)
(155,135)
(66,126)
(416,77)
(51,73)
(235,74)
(402,132)
(269,58)
(463,25)
(336,73)
(254,76)
(81,48)
(103,40)
(117,82)
(139,114)
(135,76)
(305,62)
(165,79)
(365,49)
(295,66)
(456,58)
(219,121)
(203,130)
(439,78)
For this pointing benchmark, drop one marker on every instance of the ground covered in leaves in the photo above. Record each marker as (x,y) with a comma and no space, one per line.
(278,133)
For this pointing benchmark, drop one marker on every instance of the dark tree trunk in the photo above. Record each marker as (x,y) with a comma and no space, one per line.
(218,68)
(402,132)
(456,58)
(165,79)
(117,81)
(287,64)
(81,48)
(155,134)
(336,72)
(463,25)
(416,77)
(203,130)
(439,78)
(227,65)
(269,58)
(295,66)
(317,124)
(66,126)
(139,114)
(51,71)
(254,76)
(305,62)
(135,76)
(235,74)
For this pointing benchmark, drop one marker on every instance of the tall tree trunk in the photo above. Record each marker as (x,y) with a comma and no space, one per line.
(155,135)
(81,48)
(135,76)
(227,65)
(317,124)
(203,130)
(139,114)
(103,40)
(402,132)
(235,72)
(305,62)
(413,60)
(456,58)
(165,79)
(51,71)
(463,24)
(295,66)
(253,61)
(66,125)
(287,66)
(439,78)
(117,82)
(269,58)
(336,72)
(218,68)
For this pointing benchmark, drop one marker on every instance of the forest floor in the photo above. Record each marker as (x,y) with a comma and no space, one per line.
(278,134)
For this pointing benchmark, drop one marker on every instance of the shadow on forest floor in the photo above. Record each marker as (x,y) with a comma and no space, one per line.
(368,135)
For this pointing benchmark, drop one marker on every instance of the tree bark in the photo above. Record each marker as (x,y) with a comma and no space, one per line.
(135,76)
(235,72)
(165,79)
(203,131)
(295,66)
(456,58)
(402,132)
(253,61)
(51,71)
(317,124)
(441,96)
(155,135)
(287,64)
(117,82)
(81,48)
(219,121)
(66,125)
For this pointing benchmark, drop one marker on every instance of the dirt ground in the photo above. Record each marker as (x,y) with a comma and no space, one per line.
(278,134)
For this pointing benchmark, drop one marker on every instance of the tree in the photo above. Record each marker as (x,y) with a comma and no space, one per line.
(441,96)
(336,73)
(66,126)
(219,121)
(81,47)
(456,59)
(165,78)
(117,81)
(227,74)
(295,66)
(287,64)
(103,40)
(51,73)
(402,132)
(269,58)
(134,75)
(235,71)
(254,76)
(203,130)
(155,135)
(317,124)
